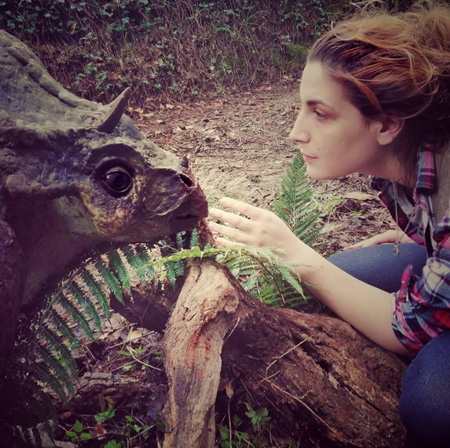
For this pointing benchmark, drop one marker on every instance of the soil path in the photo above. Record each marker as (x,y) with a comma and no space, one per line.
(239,147)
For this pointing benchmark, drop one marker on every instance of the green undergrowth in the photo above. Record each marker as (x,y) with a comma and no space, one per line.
(167,49)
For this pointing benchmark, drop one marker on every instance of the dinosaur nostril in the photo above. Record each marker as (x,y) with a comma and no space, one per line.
(186,180)
(185,162)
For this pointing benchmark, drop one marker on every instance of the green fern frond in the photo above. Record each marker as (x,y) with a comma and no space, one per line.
(134,260)
(60,325)
(195,238)
(179,268)
(86,304)
(295,205)
(250,265)
(59,372)
(120,269)
(179,237)
(291,280)
(37,401)
(60,349)
(138,257)
(170,271)
(96,289)
(110,279)
(75,314)
(47,379)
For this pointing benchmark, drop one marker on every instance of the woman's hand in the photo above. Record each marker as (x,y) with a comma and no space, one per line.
(258,227)
(390,236)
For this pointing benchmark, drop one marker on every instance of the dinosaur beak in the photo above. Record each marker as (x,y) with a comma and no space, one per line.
(116,110)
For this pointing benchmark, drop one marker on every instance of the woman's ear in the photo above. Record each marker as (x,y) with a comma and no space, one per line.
(389,130)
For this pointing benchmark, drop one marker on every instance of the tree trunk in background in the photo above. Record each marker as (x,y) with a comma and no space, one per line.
(316,374)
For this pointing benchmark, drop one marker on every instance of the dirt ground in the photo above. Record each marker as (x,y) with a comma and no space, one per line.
(239,147)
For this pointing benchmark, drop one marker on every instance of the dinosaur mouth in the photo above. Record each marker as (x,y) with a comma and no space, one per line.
(187,216)
(184,222)
(190,212)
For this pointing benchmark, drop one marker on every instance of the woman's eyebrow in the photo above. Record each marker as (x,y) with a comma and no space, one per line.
(312,103)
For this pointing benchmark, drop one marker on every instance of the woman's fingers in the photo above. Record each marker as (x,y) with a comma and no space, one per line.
(230,232)
(248,229)
(382,238)
(230,218)
(248,210)
(227,243)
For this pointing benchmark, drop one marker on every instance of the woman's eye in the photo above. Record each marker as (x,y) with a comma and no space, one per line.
(319,115)
(117,181)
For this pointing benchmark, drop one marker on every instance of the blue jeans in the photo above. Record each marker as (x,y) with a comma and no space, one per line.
(425,400)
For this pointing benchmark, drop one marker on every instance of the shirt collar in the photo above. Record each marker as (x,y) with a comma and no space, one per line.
(426,171)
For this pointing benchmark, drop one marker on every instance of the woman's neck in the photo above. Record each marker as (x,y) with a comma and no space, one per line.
(399,171)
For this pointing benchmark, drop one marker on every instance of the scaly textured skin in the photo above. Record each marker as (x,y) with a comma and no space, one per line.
(73,174)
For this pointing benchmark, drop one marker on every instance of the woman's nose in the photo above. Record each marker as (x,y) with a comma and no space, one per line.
(298,134)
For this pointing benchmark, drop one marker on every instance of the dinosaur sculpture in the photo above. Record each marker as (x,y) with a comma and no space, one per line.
(73,174)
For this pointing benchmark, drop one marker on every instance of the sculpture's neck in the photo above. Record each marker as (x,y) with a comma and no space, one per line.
(46,241)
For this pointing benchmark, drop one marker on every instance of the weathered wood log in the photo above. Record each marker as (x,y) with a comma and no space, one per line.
(203,315)
(316,374)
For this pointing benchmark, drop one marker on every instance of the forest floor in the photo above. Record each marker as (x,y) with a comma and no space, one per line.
(239,147)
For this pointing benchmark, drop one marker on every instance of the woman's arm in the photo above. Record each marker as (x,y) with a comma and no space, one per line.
(367,308)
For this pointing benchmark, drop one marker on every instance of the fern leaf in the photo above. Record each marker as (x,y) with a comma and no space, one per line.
(269,296)
(59,348)
(180,240)
(75,314)
(97,291)
(296,206)
(179,268)
(60,325)
(48,379)
(120,269)
(142,252)
(289,278)
(86,303)
(37,401)
(60,373)
(194,238)
(171,272)
(110,279)
(134,260)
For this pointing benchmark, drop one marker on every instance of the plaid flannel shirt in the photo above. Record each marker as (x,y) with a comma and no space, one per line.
(422,305)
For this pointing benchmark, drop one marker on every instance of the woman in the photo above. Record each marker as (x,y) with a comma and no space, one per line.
(375,96)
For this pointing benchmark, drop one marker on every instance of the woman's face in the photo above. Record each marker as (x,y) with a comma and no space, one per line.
(335,138)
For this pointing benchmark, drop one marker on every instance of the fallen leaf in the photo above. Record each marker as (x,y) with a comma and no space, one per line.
(133,335)
(358,196)
(99,430)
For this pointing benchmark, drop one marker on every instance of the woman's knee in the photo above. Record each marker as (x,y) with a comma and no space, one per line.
(425,400)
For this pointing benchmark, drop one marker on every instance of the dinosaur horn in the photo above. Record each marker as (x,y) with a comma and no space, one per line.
(117,108)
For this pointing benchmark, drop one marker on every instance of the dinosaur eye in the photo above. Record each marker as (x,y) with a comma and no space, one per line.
(117,180)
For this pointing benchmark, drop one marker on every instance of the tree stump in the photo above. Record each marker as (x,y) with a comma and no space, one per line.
(316,373)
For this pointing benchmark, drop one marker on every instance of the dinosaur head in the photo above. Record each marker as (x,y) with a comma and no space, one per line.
(105,180)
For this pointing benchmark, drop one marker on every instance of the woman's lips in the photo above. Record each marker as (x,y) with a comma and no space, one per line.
(308,159)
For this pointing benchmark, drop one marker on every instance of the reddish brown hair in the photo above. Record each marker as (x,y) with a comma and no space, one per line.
(395,66)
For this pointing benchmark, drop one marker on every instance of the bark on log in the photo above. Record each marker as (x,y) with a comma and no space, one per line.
(316,374)
(193,341)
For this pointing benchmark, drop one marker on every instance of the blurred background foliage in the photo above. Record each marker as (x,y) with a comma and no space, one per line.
(168,50)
